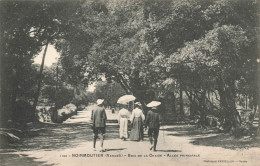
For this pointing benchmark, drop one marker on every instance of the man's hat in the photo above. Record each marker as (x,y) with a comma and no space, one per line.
(154,104)
(100,101)
(138,103)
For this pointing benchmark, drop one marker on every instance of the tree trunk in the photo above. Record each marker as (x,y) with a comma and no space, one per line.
(123,86)
(40,78)
(246,101)
(231,117)
(190,97)
(56,87)
(202,107)
(258,91)
(173,103)
(181,101)
(122,83)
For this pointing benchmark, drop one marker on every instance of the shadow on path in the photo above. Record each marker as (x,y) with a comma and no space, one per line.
(107,150)
(169,151)
(44,136)
(227,141)
(20,160)
(189,130)
(111,121)
(212,137)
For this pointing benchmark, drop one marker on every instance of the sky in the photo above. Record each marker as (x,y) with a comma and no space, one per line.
(91,87)
(51,57)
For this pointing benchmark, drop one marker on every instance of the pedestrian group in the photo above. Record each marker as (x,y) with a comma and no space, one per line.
(136,120)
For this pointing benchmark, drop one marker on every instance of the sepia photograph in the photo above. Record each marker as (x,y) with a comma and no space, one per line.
(130,82)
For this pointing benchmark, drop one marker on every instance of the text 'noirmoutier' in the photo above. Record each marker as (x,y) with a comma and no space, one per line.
(131,155)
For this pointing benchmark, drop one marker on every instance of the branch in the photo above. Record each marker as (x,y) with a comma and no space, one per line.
(125,83)
(216,95)
(189,95)
(122,85)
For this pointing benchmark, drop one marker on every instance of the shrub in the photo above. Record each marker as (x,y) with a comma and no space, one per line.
(23,112)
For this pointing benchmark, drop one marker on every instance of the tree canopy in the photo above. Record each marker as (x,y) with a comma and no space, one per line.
(155,49)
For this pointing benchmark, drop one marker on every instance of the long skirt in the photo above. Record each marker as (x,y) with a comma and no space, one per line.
(137,130)
(123,128)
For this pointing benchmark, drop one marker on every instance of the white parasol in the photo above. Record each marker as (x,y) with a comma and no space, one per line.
(153,104)
(125,99)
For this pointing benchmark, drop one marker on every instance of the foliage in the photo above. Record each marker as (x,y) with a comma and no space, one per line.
(23,112)
(203,50)
(110,92)
(57,89)
(25,28)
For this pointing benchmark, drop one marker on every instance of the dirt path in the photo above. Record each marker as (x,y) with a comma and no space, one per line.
(174,147)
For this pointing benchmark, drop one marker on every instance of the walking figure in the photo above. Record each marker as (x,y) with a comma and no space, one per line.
(99,117)
(153,121)
(137,119)
(123,117)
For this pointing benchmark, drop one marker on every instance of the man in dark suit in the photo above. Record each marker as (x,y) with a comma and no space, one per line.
(99,117)
(153,121)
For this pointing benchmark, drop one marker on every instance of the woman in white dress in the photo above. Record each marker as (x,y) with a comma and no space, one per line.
(137,120)
(123,117)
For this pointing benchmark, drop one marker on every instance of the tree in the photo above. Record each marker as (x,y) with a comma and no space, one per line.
(223,53)
(25,28)
(143,44)
(18,49)
(109,91)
